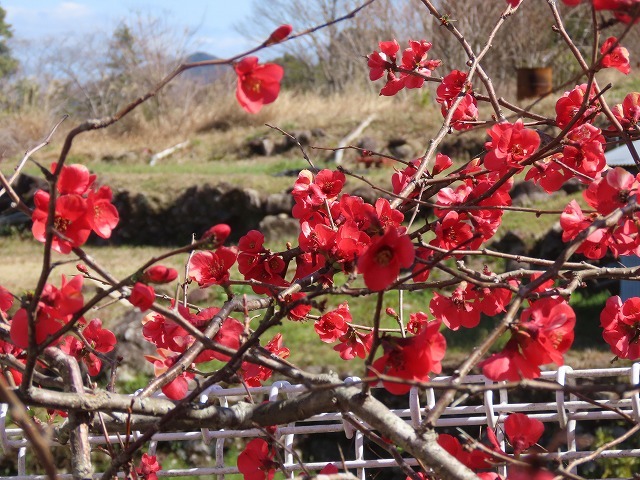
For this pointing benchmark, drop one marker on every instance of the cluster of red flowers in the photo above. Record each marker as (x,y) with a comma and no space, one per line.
(542,336)
(413,69)
(611,190)
(55,309)
(336,325)
(80,208)
(171,340)
(348,232)
(458,228)
(621,326)
(148,467)
(454,85)
(467,303)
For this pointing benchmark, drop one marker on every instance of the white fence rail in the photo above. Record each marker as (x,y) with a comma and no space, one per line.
(485,409)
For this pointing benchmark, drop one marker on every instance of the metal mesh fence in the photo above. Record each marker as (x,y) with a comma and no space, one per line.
(566,412)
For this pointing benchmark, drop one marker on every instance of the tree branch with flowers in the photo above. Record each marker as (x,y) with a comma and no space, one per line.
(379,248)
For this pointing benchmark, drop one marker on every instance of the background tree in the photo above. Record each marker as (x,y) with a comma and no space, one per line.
(8,64)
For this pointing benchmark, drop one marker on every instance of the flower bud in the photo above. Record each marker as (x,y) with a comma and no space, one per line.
(218,234)
(82,268)
(159,274)
(279,34)
(142,296)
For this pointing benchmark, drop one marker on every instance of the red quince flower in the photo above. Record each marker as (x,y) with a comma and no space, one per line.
(453,233)
(300,311)
(333,324)
(584,151)
(568,105)
(176,389)
(421,269)
(381,262)
(383,61)
(228,335)
(400,179)
(548,173)
(159,274)
(330,182)
(6,300)
(212,268)
(308,263)
(611,190)
(615,57)
(522,431)
(251,242)
(74,179)
(621,326)
(70,221)
(415,59)
(256,461)
(350,242)
(625,11)
(329,469)
(142,296)
(56,307)
(354,344)
(474,459)
(258,85)
(102,216)
(411,358)
(628,112)
(100,339)
(45,323)
(148,467)
(459,310)
(417,322)
(543,335)
(387,217)
(252,374)
(510,145)
(442,163)
(452,85)
(465,113)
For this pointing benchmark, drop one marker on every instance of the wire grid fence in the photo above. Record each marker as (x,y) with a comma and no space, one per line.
(564,410)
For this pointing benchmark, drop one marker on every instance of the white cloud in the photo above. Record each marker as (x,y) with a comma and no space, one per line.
(71,10)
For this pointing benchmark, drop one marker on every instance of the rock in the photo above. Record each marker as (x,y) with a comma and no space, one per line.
(550,245)
(132,346)
(368,143)
(25,186)
(262,146)
(512,244)
(287,143)
(399,148)
(572,186)
(279,227)
(318,133)
(462,147)
(151,221)
(368,194)
(276,203)
(527,193)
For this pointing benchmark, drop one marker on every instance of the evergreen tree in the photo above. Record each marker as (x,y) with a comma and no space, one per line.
(8,64)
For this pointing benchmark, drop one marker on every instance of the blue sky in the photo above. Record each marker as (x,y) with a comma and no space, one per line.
(38,20)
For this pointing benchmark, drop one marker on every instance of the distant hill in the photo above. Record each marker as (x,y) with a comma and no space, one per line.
(207,74)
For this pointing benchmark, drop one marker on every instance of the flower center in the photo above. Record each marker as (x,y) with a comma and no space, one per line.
(61,224)
(384,256)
